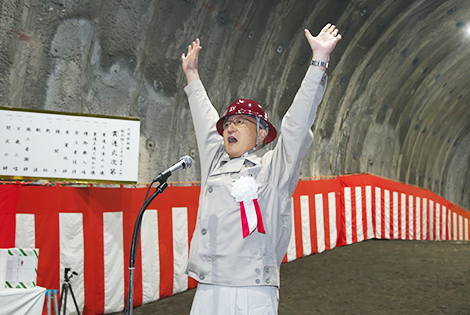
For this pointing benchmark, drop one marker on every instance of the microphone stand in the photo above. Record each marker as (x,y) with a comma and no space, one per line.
(135,240)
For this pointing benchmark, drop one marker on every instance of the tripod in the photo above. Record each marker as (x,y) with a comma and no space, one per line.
(66,286)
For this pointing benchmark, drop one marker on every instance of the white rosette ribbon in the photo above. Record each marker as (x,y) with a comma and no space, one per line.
(245,191)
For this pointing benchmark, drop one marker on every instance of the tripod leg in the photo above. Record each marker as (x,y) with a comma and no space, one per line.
(65,299)
(74,301)
(62,294)
(60,299)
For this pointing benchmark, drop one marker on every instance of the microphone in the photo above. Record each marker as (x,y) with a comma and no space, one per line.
(184,163)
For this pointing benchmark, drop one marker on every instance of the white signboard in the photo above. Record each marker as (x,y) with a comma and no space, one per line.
(52,145)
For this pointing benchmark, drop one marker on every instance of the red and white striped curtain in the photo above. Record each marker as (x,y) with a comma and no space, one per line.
(350,209)
(89,229)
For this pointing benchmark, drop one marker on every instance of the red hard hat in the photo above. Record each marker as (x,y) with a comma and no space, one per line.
(247,107)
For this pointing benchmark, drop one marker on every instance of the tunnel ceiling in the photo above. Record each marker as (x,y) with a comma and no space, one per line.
(397,102)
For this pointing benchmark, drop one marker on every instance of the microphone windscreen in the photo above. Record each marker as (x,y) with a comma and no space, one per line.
(187,160)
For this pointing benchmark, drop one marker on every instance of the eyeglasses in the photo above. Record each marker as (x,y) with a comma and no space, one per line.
(237,122)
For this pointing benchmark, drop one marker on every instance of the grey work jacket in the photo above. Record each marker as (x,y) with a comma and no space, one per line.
(218,252)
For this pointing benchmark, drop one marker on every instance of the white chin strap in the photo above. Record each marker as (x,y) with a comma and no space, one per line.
(257,146)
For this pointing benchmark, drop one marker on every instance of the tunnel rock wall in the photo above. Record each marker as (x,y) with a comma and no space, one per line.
(396,105)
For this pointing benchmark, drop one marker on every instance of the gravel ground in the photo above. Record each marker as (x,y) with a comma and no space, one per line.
(372,277)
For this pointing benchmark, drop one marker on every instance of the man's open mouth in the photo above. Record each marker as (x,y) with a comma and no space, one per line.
(232,140)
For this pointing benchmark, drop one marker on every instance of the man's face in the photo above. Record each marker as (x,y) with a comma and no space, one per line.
(240,135)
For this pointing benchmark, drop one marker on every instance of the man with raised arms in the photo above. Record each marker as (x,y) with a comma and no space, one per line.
(244,218)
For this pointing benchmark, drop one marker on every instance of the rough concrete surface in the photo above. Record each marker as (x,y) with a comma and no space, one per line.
(397,102)
(372,277)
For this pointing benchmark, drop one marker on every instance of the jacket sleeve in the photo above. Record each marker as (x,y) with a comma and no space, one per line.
(205,117)
(296,136)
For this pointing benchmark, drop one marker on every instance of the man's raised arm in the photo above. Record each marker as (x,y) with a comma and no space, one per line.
(296,136)
(203,113)
(189,61)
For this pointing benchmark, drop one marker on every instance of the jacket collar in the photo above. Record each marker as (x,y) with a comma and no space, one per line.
(228,165)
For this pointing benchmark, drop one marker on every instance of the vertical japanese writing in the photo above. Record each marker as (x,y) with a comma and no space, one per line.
(68,147)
